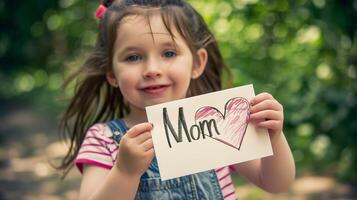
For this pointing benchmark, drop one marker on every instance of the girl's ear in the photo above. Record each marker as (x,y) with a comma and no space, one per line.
(200,64)
(111,79)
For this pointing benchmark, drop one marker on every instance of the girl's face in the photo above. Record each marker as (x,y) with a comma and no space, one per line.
(148,66)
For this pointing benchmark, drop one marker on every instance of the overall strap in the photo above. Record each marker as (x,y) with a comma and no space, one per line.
(118,129)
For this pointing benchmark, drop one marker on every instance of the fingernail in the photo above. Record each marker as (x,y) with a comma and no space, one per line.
(152,125)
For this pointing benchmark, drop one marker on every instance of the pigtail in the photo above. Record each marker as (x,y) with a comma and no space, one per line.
(94,100)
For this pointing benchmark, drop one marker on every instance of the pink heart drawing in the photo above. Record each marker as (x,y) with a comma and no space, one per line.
(232,124)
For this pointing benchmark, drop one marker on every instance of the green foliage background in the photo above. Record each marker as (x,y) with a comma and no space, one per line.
(303,52)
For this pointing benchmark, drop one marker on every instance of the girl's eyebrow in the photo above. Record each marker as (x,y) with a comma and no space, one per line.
(129,48)
(169,44)
(137,48)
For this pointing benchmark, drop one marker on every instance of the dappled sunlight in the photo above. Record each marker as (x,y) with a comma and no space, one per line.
(309,35)
(309,185)
(41,169)
(31,147)
(24,164)
(304,188)
(56,149)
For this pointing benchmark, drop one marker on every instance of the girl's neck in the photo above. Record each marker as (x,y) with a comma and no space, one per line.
(136,116)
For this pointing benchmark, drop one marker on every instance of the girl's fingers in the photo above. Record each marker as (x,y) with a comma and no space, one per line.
(269,104)
(143,137)
(266,114)
(147,145)
(151,152)
(270,124)
(261,97)
(139,129)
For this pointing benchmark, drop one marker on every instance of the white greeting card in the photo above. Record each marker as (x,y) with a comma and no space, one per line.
(206,132)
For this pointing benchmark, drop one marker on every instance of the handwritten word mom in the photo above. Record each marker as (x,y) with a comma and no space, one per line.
(195,132)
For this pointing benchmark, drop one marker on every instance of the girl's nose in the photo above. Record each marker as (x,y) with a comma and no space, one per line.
(152,75)
(152,70)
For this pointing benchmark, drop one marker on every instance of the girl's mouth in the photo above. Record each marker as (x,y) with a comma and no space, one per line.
(157,89)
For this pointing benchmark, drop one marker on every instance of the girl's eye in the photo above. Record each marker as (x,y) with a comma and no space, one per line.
(169,54)
(133,58)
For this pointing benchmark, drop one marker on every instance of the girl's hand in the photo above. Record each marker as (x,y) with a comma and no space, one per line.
(136,150)
(268,113)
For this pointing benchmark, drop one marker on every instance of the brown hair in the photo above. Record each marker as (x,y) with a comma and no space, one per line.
(95,100)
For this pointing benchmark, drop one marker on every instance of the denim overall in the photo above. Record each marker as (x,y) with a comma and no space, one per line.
(200,186)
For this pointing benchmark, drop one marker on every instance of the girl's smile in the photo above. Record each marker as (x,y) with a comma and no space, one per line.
(156,89)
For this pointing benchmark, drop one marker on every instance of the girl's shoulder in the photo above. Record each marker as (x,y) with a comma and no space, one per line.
(107,129)
(100,129)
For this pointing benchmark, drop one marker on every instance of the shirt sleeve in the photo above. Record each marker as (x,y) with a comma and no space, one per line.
(96,149)
(233,168)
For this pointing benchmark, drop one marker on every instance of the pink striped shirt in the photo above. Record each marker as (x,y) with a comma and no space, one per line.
(99,149)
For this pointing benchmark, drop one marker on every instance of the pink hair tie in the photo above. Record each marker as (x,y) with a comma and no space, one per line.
(100,11)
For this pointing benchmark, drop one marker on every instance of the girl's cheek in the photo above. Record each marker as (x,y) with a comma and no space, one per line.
(124,69)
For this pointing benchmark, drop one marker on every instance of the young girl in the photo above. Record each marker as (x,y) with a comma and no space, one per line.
(150,52)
